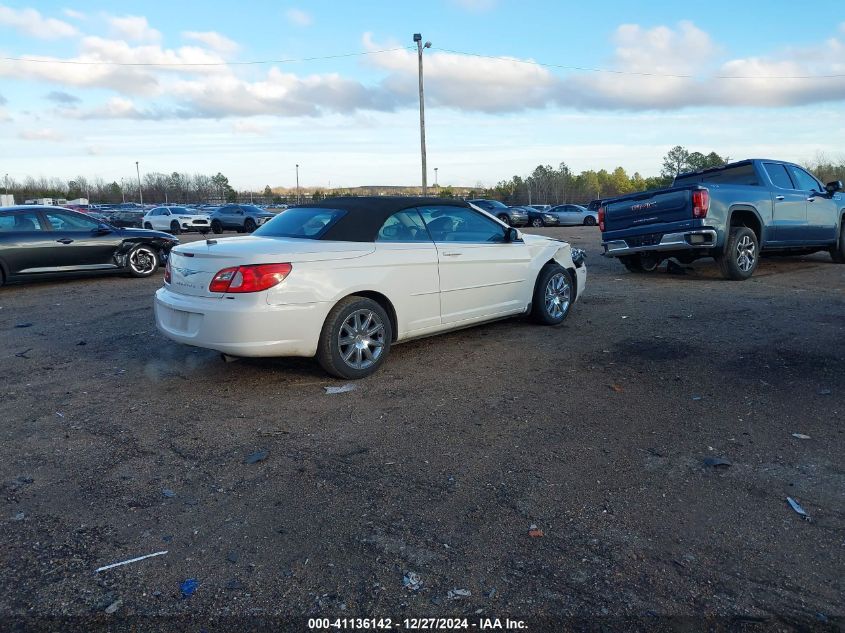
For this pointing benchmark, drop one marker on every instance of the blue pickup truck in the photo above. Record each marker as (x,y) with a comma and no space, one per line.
(731,213)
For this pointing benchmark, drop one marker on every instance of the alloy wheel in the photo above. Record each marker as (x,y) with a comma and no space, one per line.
(745,253)
(142,261)
(361,339)
(558,295)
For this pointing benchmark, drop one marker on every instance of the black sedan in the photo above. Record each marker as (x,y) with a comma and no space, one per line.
(39,241)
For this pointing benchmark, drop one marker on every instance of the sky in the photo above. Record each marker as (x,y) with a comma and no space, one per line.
(251,89)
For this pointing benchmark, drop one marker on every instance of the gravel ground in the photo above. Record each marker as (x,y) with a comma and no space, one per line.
(118,443)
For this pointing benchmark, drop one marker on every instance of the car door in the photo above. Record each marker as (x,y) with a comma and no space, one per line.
(481,275)
(821,208)
(24,242)
(789,206)
(81,242)
(408,257)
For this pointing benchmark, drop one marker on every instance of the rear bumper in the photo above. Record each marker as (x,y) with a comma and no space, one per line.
(252,329)
(685,240)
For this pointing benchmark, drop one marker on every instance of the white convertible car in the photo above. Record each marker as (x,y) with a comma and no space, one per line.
(345,279)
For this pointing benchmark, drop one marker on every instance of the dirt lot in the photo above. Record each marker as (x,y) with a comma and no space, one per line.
(118,443)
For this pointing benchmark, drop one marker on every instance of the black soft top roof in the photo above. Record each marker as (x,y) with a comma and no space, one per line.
(366,215)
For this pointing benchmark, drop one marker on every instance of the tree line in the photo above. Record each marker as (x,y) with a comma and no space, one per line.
(545,185)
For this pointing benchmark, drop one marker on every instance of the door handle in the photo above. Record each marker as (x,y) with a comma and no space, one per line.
(779,197)
(64,241)
(452,254)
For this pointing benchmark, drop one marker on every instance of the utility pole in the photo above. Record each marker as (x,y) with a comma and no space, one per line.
(297,184)
(140,191)
(420,46)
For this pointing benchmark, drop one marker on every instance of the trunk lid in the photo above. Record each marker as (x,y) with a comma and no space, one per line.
(193,266)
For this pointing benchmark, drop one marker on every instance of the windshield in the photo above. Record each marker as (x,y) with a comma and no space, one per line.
(183,211)
(303,222)
(251,208)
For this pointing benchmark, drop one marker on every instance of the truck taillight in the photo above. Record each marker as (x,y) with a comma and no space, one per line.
(252,278)
(601,218)
(167,273)
(700,203)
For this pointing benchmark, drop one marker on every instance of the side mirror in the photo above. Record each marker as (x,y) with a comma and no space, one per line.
(102,229)
(833,186)
(511,235)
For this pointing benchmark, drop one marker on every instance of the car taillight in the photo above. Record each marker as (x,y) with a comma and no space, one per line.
(700,203)
(253,278)
(167,271)
(601,218)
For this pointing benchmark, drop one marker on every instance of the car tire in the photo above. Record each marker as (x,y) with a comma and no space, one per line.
(355,327)
(175,229)
(142,261)
(504,218)
(838,251)
(554,294)
(147,225)
(216,227)
(739,260)
(589,221)
(250,225)
(537,223)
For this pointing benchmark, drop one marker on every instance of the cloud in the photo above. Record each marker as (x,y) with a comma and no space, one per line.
(298,17)
(75,15)
(44,134)
(133,80)
(464,82)
(279,94)
(687,50)
(213,40)
(475,6)
(64,98)
(31,22)
(251,127)
(121,108)
(134,28)
(94,150)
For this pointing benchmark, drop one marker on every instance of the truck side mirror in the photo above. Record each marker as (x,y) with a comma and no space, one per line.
(833,186)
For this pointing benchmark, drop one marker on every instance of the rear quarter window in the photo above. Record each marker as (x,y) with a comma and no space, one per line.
(739,175)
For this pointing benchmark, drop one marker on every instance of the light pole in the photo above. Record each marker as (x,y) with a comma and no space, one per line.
(435,177)
(420,46)
(297,184)
(140,191)
(6,184)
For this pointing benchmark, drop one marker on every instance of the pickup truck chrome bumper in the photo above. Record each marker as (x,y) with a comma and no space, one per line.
(699,238)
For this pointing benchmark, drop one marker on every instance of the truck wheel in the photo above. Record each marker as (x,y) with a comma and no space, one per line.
(553,295)
(739,261)
(838,251)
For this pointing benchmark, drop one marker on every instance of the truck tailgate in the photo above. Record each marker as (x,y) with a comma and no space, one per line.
(657,207)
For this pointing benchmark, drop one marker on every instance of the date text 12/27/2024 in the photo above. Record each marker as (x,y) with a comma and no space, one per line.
(415,624)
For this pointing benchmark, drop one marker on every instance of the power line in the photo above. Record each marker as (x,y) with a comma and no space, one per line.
(512,60)
(74,62)
(631,72)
